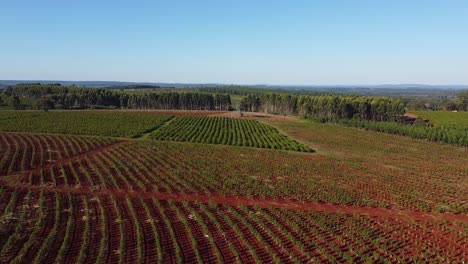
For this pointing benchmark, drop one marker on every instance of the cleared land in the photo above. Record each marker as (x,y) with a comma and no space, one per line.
(364,197)
(227,131)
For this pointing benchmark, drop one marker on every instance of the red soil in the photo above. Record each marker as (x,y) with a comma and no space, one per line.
(262,203)
(37,168)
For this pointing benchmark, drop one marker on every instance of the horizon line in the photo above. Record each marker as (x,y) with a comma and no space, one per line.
(228,84)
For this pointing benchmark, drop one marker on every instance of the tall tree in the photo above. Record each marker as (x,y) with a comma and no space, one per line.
(15,103)
(462,101)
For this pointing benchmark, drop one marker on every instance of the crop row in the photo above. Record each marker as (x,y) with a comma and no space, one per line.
(111,124)
(223,170)
(19,152)
(402,172)
(227,131)
(43,226)
(455,135)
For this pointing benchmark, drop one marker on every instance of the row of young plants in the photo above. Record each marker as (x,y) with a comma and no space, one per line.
(226,131)
(191,168)
(110,124)
(125,167)
(268,174)
(404,172)
(213,170)
(11,208)
(108,228)
(18,247)
(449,135)
(20,152)
(77,233)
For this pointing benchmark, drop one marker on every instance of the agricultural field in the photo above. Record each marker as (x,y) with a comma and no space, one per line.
(230,171)
(21,152)
(363,197)
(58,226)
(445,118)
(111,124)
(228,131)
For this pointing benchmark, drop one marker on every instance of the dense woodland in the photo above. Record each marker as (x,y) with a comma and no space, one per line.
(176,100)
(314,104)
(55,96)
(328,107)
(450,101)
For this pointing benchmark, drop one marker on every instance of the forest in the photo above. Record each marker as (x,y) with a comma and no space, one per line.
(56,96)
(328,107)
(309,103)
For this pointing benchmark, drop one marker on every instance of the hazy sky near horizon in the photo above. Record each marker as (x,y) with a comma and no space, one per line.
(241,42)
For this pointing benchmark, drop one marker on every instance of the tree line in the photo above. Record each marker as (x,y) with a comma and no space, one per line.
(459,102)
(462,101)
(327,107)
(56,96)
(179,100)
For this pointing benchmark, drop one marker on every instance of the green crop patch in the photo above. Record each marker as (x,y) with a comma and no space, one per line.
(227,131)
(115,124)
(445,118)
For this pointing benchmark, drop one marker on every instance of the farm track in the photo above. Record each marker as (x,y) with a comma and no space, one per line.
(250,201)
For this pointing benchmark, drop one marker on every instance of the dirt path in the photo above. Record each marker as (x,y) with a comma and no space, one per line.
(250,201)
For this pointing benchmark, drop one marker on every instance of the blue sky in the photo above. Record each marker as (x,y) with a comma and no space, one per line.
(241,42)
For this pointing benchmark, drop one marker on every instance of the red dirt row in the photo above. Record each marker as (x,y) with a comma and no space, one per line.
(22,151)
(251,201)
(330,233)
(37,168)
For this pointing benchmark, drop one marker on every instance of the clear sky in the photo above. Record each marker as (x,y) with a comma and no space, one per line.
(238,41)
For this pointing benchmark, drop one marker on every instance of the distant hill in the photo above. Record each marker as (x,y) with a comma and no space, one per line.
(109,83)
(77,83)
(116,84)
(367,86)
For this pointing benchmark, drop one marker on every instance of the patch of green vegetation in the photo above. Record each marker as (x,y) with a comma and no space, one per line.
(112,124)
(227,131)
(445,118)
(236,100)
(6,103)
